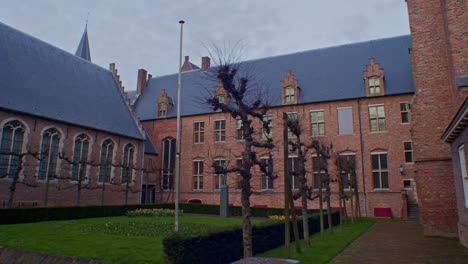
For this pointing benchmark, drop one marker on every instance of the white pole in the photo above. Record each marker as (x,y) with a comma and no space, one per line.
(177,161)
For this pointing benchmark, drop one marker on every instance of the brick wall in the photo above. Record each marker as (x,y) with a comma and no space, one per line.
(390,141)
(437,28)
(63,191)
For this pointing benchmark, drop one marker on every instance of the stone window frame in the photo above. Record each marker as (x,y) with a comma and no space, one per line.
(377,118)
(317,123)
(78,166)
(15,128)
(381,172)
(166,170)
(220,131)
(405,112)
(54,132)
(349,174)
(218,178)
(198,174)
(199,133)
(408,151)
(289,83)
(128,160)
(266,181)
(105,173)
(374,71)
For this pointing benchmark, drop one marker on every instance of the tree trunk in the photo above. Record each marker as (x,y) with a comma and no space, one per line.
(246,224)
(287,190)
(322,226)
(305,221)
(352,209)
(295,226)
(329,212)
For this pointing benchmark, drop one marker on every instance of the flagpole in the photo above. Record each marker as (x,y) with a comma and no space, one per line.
(177,161)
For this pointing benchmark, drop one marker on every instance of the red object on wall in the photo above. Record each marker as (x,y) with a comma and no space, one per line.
(383,212)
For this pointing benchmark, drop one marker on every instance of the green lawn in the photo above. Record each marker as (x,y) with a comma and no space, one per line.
(113,239)
(323,251)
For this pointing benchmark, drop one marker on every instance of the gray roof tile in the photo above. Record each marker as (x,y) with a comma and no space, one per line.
(39,79)
(327,74)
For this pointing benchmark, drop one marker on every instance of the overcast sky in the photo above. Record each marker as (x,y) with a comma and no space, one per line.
(145,34)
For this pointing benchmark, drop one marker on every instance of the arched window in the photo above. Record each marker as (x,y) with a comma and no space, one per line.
(107,152)
(127,166)
(169,149)
(80,157)
(49,154)
(12,143)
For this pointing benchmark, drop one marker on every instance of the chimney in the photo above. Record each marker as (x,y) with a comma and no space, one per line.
(186,66)
(141,81)
(205,63)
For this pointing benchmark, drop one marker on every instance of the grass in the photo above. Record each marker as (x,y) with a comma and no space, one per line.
(111,239)
(322,251)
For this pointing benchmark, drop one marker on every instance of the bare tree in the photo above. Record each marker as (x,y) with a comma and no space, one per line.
(247,108)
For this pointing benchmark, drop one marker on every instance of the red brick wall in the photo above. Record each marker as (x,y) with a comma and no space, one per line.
(390,141)
(438,52)
(62,191)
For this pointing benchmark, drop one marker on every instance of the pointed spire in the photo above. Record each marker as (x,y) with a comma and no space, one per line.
(83,50)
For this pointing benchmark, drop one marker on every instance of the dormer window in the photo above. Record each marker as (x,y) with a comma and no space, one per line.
(221,99)
(374,79)
(162,110)
(290,90)
(164,104)
(374,86)
(289,95)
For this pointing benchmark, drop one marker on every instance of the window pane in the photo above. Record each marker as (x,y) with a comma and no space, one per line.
(383,161)
(408,157)
(375,162)
(376,177)
(408,146)
(385,180)
(404,117)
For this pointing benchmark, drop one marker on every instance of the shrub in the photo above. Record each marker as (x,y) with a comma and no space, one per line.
(226,246)
(153,212)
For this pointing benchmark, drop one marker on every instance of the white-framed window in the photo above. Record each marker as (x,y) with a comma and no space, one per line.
(404,108)
(107,155)
(197,175)
(11,143)
(49,154)
(463,172)
(219,179)
(289,95)
(240,132)
(269,120)
(292,172)
(317,121)
(168,159)
(267,180)
(345,120)
(291,116)
(80,157)
(377,118)
(408,151)
(374,86)
(162,110)
(220,130)
(127,166)
(198,132)
(380,170)
(318,166)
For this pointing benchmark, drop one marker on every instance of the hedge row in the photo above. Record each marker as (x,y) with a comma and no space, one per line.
(37,214)
(226,246)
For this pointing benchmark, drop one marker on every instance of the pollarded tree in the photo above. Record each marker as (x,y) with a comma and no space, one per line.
(241,103)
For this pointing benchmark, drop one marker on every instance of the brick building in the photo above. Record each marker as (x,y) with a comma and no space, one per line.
(354,96)
(64,120)
(440,61)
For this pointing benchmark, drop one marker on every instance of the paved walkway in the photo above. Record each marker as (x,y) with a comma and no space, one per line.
(396,241)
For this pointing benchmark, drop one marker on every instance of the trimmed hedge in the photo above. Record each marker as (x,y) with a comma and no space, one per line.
(37,214)
(226,246)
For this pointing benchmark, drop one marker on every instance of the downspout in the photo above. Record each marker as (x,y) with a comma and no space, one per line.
(362,158)
(141,170)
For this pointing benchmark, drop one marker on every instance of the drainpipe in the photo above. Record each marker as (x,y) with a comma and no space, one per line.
(142,163)
(362,159)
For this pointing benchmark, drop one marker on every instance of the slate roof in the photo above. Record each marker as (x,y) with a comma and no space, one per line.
(327,74)
(39,79)
(149,146)
(83,49)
